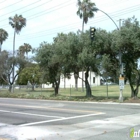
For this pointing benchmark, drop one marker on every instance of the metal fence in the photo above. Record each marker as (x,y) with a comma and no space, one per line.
(39,90)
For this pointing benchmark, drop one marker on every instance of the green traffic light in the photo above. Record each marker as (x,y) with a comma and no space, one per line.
(92,33)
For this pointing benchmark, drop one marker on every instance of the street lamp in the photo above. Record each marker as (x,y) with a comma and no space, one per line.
(120,58)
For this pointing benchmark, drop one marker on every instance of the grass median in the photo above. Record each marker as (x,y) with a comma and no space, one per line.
(100,93)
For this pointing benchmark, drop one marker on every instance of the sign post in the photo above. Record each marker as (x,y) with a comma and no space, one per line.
(121,85)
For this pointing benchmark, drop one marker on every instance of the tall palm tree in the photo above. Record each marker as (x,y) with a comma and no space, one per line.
(86,10)
(17,22)
(3,37)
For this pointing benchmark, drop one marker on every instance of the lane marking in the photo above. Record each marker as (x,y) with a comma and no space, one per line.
(68,118)
(50,108)
(30,114)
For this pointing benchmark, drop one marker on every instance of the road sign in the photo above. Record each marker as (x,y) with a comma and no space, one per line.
(121,82)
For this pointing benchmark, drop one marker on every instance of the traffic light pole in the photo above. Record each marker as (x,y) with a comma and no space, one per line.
(120,58)
(109,17)
(121,79)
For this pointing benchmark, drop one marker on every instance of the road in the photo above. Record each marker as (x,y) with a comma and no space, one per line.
(25,119)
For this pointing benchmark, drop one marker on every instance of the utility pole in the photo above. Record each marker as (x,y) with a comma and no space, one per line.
(121,78)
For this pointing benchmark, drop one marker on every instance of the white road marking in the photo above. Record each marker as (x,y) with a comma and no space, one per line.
(30,114)
(61,119)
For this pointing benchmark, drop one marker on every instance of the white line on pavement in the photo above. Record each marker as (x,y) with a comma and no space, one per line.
(61,119)
(6,111)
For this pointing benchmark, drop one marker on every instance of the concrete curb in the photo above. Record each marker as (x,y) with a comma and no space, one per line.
(110,102)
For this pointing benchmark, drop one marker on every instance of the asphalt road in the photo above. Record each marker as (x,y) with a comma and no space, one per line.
(22,119)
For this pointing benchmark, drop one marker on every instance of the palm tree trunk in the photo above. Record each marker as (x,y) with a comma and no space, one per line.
(13,74)
(14,43)
(82,69)
(83,26)
(27,55)
(0,47)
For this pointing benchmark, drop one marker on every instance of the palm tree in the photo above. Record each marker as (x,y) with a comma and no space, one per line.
(17,22)
(21,51)
(3,37)
(86,10)
(27,48)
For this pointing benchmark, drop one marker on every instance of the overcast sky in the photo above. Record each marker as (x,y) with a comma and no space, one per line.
(46,18)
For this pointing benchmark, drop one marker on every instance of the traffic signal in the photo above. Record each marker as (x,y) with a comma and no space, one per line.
(92,33)
(123,69)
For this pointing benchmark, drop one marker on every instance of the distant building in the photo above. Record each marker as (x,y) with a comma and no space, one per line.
(94,80)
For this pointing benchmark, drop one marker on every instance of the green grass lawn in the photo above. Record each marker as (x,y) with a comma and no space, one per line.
(99,93)
(113,90)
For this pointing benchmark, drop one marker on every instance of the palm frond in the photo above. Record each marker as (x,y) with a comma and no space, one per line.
(17,22)
(86,9)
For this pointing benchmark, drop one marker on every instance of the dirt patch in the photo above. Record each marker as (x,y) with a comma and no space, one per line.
(131,100)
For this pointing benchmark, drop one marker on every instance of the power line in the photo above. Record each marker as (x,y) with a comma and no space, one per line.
(35,15)
(44,13)
(29,9)
(130,8)
(26,10)
(72,15)
(99,18)
(112,3)
(75,27)
(10,5)
(2,1)
(118,14)
(37,7)
(18,9)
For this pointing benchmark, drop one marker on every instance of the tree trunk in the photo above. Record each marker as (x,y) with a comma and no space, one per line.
(76,75)
(76,83)
(33,87)
(64,82)
(56,86)
(0,47)
(88,88)
(107,88)
(13,74)
(83,26)
(82,69)
(134,92)
(10,88)
(56,90)
(14,43)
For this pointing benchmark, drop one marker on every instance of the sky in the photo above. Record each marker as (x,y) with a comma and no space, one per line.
(47,18)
